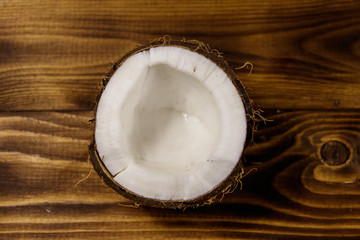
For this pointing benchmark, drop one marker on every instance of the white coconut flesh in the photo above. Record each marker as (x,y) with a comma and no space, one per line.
(170,124)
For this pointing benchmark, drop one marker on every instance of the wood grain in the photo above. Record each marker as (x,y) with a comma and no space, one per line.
(303,169)
(53,53)
(292,194)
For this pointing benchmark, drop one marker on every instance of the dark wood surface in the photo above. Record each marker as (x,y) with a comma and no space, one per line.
(303,178)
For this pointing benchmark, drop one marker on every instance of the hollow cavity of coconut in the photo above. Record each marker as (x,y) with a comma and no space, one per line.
(171,126)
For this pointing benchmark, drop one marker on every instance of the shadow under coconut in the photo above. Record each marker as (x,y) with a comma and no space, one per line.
(236,214)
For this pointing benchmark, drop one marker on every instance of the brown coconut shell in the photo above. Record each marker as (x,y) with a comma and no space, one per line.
(225,186)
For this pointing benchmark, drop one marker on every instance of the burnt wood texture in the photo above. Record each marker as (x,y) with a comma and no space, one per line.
(303,169)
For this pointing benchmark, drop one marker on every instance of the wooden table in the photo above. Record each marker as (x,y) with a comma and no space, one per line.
(306,78)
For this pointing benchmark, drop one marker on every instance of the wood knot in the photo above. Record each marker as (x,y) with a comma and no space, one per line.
(334,153)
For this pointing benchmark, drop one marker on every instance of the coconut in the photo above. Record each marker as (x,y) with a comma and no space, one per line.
(171,123)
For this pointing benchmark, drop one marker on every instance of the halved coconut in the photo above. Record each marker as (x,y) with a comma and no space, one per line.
(171,125)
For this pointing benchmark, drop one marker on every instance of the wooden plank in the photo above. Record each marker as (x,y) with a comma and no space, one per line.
(299,190)
(305,53)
